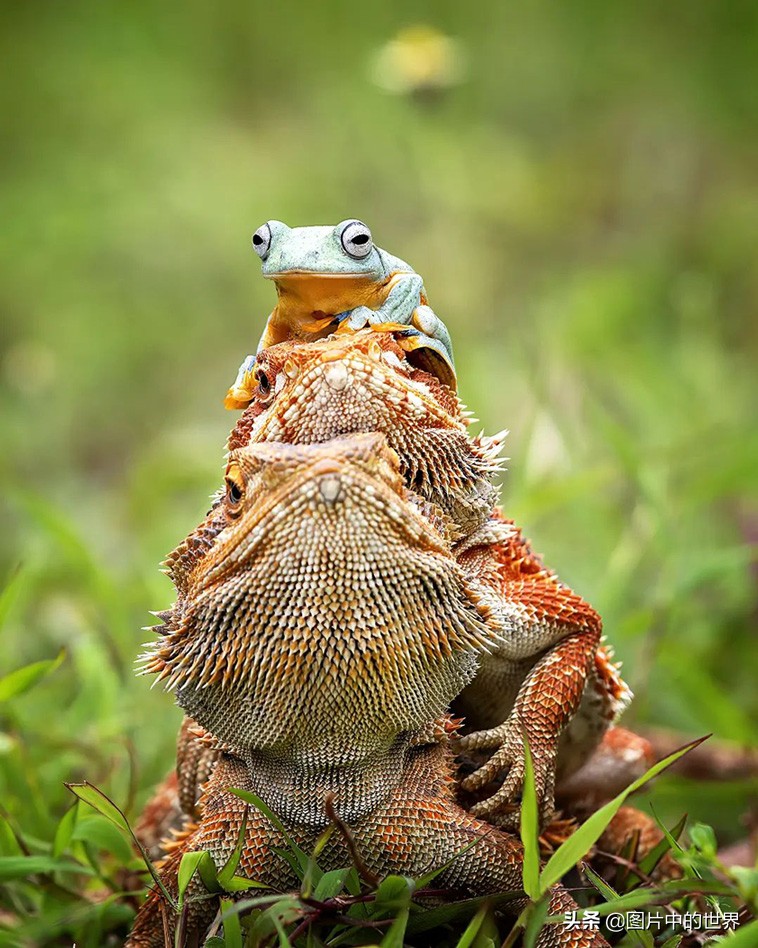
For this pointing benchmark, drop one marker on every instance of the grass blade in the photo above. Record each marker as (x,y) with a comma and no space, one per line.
(668,892)
(11,592)
(232,927)
(536,921)
(100,802)
(22,679)
(530,827)
(187,868)
(579,843)
(284,941)
(395,935)
(106,807)
(744,937)
(649,862)
(19,867)
(330,884)
(609,894)
(302,857)
(473,927)
(65,830)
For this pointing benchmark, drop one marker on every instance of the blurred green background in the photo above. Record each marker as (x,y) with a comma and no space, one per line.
(576,183)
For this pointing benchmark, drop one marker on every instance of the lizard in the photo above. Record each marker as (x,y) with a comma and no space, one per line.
(550,674)
(365,382)
(321,629)
(328,276)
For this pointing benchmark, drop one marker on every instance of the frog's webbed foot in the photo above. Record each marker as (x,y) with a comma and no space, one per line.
(423,320)
(354,319)
(428,322)
(241,393)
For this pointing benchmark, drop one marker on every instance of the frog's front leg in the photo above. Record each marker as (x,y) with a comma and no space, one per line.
(403,306)
(402,300)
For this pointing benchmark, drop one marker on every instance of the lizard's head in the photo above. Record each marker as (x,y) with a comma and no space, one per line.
(368,381)
(308,489)
(314,556)
(323,390)
(281,499)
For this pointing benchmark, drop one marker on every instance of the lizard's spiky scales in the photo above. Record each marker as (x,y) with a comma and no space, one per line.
(364,382)
(327,576)
(324,620)
(417,828)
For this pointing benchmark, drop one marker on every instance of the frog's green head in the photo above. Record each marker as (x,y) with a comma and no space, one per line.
(345,250)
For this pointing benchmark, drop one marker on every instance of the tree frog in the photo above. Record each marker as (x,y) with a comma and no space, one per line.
(330,278)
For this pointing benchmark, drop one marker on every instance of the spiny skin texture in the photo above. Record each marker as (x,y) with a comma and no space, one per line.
(549,674)
(324,590)
(367,382)
(549,678)
(417,827)
(322,626)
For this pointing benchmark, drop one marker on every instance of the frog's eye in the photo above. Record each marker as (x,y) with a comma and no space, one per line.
(235,488)
(356,239)
(262,241)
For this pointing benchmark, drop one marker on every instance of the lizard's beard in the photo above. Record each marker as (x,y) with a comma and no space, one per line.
(394,632)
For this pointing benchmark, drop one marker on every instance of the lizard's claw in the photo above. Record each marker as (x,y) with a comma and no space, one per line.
(507,742)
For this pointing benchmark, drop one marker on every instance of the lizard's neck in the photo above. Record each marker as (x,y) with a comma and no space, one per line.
(297,785)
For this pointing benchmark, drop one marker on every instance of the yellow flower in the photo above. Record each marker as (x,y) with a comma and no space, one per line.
(419,58)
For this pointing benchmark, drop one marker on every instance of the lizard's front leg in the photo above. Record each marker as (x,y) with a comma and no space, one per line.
(546,702)
(223,815)
(542,618)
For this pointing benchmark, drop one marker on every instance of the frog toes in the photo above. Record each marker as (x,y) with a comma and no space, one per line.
(426,320)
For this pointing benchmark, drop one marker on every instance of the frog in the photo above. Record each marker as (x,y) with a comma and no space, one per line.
(336,279)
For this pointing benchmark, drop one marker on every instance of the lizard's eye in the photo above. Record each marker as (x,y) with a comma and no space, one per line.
(264,385)
(262,241)
(355,238)
(235,488)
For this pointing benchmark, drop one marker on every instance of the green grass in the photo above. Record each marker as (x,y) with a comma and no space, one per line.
(345,906)
(582,208)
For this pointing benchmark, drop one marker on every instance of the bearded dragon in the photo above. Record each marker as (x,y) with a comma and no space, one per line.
(549,676)
(323,625)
